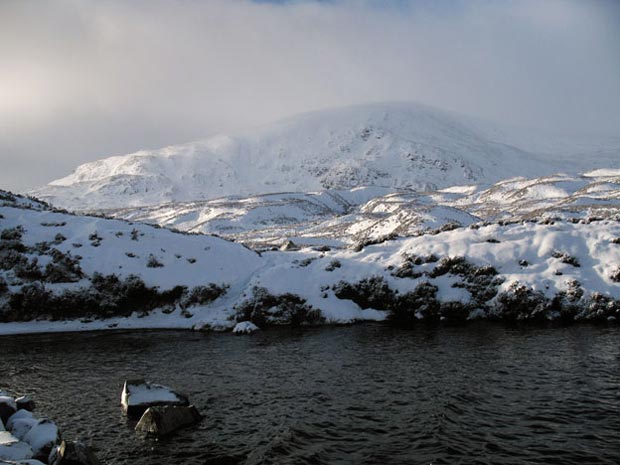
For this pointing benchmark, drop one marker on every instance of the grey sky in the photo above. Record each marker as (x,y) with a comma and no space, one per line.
(83,79)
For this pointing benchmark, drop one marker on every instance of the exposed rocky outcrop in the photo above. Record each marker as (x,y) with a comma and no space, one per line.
(73,453)
(163,420)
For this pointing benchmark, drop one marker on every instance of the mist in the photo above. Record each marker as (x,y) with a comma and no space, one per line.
(84,79)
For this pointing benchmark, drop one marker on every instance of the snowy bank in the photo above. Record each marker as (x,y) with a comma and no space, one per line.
(62,272)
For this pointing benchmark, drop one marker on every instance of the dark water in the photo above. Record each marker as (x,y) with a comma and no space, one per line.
(366,394)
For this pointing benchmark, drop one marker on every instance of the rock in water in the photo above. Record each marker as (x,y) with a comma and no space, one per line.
(43,437)
(12,448)
(22,426)
(2,426)
(25,403)
(164,420)
(7,407)
(138,395)
(245,327)
(19,415)
(73,453)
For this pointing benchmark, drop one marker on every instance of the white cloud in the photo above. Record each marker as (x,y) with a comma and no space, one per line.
(82,79)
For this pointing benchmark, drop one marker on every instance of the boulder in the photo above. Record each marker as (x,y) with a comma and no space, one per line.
(19,415)
(245,327)
(160,421)
(289,246)
(12,448)
(73,453)
(22,426)
(2,426)
(138,395)
(7,407)
(43,437)
(25,403)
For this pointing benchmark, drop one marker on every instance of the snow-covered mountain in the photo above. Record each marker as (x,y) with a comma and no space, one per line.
(394,145)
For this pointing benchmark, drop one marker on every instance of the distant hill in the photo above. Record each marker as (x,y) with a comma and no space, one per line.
(391,145)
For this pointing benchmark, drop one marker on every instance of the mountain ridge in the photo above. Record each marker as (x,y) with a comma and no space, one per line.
(392,145)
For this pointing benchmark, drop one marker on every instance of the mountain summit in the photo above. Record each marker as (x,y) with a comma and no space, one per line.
(393,145)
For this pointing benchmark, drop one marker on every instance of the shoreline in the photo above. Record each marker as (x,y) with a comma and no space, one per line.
(81,328)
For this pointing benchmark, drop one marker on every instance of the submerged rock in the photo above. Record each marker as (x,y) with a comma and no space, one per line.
(7,407)
(160,421)
(138,395)
(12,448)
(73,453)
(25,403)
(245,327)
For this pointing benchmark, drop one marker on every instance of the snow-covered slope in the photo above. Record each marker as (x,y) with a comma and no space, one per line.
(65,272)
(393,145)
(340,218)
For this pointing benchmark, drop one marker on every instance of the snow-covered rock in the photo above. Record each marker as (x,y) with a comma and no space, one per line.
(43,437)
(22,414)
(138,395)
(13,449)
(20,427)
(163,420)
(245,327)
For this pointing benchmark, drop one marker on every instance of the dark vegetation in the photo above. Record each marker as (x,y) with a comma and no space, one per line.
(566,258)
(519,303)
(102,296)
(107,296)
(265,309)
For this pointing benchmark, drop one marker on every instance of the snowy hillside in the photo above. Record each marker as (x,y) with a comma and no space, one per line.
(394,145)
(342,218)
(65,272)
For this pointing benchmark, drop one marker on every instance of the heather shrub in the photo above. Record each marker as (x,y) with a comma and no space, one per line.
(372,292)
(421,303)
(520,302)
(265,309)
(202,295)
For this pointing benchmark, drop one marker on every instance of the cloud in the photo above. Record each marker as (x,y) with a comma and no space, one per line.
(82,79)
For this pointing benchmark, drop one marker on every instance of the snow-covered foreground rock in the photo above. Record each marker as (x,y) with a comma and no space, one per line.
(65,272)
(391,145)
(137,396)
(29,440)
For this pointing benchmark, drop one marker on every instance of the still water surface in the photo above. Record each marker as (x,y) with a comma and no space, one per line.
(365,394)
